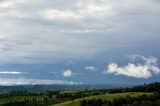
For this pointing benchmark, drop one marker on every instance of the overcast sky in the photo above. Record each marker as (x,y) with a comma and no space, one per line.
(79,41)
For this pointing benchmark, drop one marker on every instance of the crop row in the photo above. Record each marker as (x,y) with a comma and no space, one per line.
(9,99)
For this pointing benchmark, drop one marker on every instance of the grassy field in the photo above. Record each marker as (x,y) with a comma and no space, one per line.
(104,97)
(8,99)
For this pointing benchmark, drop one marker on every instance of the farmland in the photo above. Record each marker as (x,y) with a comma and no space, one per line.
(132,96)
(11,99)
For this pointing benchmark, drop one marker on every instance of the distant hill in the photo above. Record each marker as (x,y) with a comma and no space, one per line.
(43,88)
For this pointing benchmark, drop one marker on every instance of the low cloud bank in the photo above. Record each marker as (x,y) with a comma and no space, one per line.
(9,82)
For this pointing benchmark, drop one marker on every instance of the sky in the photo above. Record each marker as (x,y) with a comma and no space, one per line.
(79,41)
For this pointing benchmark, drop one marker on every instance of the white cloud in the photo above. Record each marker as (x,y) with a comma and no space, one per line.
(59,14)
(90,10)
(11,72)
(91,68)
(9,3)
(22,81)
(67,73)
(136,70)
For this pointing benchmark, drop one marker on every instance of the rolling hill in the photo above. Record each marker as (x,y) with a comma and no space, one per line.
(104,97)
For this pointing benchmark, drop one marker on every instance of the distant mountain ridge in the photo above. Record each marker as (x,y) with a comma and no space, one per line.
(43,88)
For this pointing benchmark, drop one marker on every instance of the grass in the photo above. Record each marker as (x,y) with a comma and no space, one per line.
(104,97)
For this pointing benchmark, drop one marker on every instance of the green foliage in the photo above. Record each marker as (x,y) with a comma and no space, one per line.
(145,95)
(105,99)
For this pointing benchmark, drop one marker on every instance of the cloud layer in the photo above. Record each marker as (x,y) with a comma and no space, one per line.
(48,31)
(41,36)
(136,70)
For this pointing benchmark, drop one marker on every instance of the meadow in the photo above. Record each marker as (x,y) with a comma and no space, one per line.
(103,97)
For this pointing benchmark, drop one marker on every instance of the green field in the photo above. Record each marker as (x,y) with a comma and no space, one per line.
(9,99)
(104,97)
